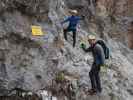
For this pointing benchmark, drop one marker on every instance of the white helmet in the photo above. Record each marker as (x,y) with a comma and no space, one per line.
(91,37)
(73,11)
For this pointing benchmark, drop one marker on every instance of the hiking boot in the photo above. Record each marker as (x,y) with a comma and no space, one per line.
(92,92)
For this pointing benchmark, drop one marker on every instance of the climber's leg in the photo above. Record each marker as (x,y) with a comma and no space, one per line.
(74,38)
(92,91)
(65,34)
(97,79)
(94,2)
(92,77)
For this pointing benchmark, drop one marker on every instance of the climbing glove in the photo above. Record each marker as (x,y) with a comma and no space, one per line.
(82,45)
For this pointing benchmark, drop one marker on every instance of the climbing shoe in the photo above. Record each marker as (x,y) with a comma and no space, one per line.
(92,92)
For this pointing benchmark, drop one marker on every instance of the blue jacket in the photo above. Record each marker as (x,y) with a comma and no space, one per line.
(73,21)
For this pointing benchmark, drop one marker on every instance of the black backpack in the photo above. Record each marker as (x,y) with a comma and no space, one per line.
(105,48)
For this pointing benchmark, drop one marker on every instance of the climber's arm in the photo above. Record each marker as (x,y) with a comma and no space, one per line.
(81,17)
(66,20)
(87,49)
(83,46)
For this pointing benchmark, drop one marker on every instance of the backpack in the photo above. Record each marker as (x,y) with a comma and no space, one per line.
(105,48)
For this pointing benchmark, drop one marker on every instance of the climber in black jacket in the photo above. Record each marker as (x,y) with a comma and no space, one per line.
(99,60)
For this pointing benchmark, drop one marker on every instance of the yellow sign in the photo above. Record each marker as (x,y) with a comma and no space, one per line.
(36,30)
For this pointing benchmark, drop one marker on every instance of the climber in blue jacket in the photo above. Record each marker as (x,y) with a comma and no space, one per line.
(73,21)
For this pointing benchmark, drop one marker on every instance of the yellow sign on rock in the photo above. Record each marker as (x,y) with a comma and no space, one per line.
(36,30)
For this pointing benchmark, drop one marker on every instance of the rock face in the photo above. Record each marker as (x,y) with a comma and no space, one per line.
(118,16)
(130,36)
(30,7)
(31,63)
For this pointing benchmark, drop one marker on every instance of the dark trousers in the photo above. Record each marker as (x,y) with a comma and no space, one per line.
(95,78)
(74,35)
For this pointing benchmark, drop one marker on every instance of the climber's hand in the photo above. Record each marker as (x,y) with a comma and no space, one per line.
(59,25)
(83,17)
